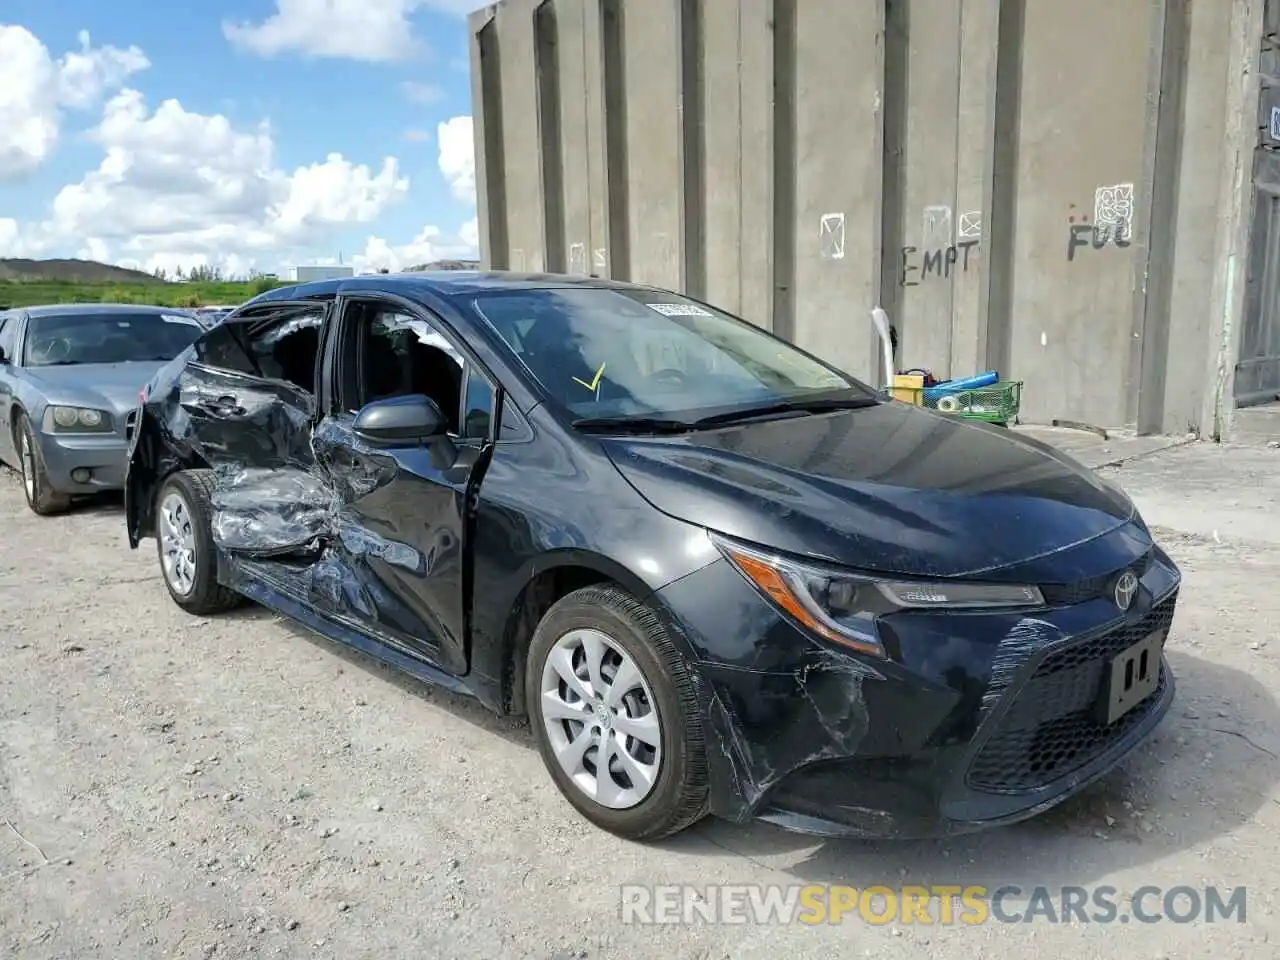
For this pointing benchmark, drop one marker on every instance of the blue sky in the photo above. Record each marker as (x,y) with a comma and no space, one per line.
(369,80)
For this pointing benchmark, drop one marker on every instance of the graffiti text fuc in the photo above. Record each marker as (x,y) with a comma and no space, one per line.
(939,262)
(1091,235)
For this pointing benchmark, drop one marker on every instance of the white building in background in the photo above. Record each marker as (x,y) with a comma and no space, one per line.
(306,274)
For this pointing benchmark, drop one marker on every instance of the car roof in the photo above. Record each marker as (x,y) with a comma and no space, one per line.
(442,283)
(58,309)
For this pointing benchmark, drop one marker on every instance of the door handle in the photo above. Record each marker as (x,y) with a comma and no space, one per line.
(225,406)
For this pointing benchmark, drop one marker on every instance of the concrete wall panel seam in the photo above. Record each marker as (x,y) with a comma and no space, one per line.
(1233,223)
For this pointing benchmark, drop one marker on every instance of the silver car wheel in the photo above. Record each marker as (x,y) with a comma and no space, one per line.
(178,544)
(601,719)
(27,462)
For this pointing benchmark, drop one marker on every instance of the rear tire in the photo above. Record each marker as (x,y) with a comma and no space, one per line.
(640,712)
(184,544)
(41,497)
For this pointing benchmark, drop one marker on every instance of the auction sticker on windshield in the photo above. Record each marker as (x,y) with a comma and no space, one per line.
(679,309)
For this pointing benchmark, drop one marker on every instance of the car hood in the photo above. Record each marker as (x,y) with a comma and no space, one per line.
(110,386)
(889,488)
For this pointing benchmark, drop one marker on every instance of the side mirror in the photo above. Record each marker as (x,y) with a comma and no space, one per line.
(401,422)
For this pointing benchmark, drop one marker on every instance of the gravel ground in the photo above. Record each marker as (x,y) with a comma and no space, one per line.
(178,787)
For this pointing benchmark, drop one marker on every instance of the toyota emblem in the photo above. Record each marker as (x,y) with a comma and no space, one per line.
(1126,590)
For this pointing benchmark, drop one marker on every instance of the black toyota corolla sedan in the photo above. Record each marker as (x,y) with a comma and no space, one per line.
(719,575)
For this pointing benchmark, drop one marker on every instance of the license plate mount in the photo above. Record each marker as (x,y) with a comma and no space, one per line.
(1132,676)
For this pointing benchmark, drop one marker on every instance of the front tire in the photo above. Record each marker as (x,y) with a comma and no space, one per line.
(615,715)
(41,497)
(184,544)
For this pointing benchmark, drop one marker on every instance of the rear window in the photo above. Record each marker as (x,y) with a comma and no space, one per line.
(70,338)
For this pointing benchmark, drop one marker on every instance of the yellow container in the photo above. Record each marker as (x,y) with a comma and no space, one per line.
(909,388)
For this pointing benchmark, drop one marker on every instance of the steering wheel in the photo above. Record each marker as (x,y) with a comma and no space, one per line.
(669,375)
(53,350)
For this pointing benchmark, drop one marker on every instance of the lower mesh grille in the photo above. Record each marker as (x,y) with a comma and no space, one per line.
(1053,727)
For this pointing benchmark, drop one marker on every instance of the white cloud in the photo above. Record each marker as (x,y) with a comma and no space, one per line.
(370,30)
(470,234)
(177,187)
(458,157)
(35,89)
(431,244)
(11,243)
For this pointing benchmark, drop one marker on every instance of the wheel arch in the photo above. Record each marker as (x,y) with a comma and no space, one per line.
(546,580)
(155,459)
(17,410)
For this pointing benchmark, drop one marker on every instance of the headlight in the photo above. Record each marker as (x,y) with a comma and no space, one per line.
(76,420)
(842,607)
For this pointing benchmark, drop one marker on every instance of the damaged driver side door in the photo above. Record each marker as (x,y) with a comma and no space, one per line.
(403,526)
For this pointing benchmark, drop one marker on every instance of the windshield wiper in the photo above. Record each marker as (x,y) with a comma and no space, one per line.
(668,425)
(789,406)
(632,425)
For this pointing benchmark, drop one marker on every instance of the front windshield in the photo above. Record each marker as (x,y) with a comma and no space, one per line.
(107,337)
(604,353)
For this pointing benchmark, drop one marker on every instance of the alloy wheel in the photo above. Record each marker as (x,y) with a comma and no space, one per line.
(178,544)
(601,718)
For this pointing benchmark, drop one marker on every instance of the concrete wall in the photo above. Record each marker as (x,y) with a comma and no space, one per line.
(1030,185)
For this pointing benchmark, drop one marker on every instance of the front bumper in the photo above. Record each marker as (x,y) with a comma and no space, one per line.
(103,457)
(974,720)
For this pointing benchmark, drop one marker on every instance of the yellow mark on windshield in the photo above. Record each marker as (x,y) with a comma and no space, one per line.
(595,382)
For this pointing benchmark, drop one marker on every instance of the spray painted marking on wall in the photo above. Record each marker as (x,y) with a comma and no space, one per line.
(1275,123)
(600,258)
(1113,210)
(831,236)
(936,226)
(577,258)
(941,261)
(1112,220)
(970,226)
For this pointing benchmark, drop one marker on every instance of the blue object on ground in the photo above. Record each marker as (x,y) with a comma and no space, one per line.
(963,383)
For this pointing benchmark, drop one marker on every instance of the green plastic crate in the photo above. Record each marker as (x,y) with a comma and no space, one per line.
(998,403)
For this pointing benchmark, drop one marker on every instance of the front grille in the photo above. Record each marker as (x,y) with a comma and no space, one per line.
(130,424)
(1067,594)
(1053,726)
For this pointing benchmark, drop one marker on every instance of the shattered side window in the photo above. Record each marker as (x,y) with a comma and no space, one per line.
(282,347)
(403,355)
(221,348)
(392,323)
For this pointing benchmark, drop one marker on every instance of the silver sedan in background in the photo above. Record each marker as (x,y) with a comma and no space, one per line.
(70,376)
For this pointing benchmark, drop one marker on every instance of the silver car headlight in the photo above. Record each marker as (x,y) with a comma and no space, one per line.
(842,606)
(59,419)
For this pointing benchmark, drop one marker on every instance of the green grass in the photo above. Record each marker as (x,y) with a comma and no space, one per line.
(28,293)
